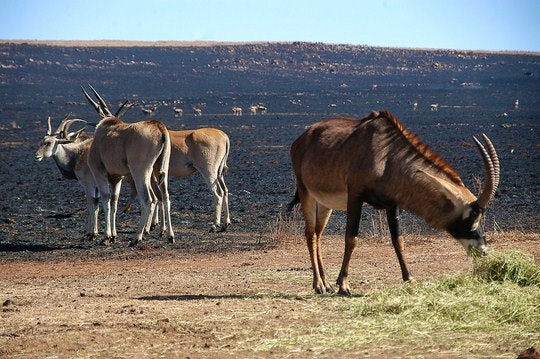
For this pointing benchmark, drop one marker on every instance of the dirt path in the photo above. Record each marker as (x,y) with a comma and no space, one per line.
(175,304)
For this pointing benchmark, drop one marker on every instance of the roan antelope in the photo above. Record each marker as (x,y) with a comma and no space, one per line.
(139,150)
(341,163)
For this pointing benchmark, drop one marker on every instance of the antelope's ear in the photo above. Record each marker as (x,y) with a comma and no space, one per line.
(72,136)
(442,186)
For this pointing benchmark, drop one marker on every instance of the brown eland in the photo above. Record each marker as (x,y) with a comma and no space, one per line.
(342,163)
(139,150)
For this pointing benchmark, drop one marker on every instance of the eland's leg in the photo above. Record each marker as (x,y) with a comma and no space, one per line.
(212,181)
(166,208)
(105,195)
(225,197)
(392,216)
(354,212)
(144,194)
(116,185)
(92,209)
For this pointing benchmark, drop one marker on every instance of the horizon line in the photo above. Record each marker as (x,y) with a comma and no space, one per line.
(211,43)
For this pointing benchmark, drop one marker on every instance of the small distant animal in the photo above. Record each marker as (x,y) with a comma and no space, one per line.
(261,108)
(149,110)
(434,107)
(253,109)
(178,111)
(237,111)
(197,111)
(342,163)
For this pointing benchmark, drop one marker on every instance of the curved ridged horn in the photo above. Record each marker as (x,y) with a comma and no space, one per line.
(49,127)
(491,181)
(102,102)
(63,129)
(494,159)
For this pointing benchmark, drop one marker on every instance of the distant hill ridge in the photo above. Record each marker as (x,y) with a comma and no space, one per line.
(127,43)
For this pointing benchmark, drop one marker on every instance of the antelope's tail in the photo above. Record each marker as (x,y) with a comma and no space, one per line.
(165,155)
(294,202)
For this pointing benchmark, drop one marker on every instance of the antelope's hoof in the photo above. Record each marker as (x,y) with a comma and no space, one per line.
(107,241)
(171,239)
(217,228)
(91,237)
(345,292)
(133,243)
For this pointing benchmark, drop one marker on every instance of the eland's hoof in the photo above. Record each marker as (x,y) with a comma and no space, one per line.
(106,241)
(133,243)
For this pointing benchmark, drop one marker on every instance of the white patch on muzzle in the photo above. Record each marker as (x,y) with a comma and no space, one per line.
(473,245)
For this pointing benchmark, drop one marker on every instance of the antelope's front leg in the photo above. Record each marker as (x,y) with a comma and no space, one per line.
(92,208)
(354,212)
(392,215)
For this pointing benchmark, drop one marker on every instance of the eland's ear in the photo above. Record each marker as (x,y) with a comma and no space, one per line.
(72,136)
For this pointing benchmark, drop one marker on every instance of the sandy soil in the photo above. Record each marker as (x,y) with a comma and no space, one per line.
(172,303)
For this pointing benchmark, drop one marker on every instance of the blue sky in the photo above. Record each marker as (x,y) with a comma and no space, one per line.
(449,24)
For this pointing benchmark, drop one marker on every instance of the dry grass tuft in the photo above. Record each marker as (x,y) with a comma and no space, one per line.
(512,266)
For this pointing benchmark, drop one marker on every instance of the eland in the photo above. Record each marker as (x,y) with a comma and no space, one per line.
(342,163)
(140,150)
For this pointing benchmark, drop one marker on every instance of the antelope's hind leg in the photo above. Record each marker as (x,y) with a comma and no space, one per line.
(323,215)
(315,224)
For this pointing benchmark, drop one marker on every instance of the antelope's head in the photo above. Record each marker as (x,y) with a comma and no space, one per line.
(467,227)
(49,145)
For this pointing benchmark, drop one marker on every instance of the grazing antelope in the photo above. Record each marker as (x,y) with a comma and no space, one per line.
(70,152)
(139,150)
(178,111)
(434,107)
(342,163)
(197,111)
(237,111)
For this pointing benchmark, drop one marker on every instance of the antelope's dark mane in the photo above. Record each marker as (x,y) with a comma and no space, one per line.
(417,143)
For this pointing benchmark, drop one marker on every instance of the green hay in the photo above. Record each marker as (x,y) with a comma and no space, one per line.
(455,316)
(512,266)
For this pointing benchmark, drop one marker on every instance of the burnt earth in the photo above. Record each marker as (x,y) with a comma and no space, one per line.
(300,83)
